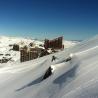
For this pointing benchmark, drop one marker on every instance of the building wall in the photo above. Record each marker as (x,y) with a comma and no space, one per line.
(55,43)
(27,55)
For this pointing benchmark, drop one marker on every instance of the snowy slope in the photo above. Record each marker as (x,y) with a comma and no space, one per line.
(15,55)
(6,41)
(68,44)
(77,78)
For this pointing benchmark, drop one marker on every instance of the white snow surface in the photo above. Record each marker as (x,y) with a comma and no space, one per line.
(77,78)
(68,44)
(6,41)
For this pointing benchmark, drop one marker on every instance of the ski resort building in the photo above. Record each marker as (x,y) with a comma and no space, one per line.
(28,54)
(56,43)
(16,47)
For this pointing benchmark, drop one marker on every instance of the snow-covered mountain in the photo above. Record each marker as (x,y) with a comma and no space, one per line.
(77,78)
(6,42)
(68,44)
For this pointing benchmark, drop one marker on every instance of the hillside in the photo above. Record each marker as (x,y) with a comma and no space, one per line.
(7,42)
(76,78)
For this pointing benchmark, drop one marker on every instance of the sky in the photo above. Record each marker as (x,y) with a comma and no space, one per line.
(73,19)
